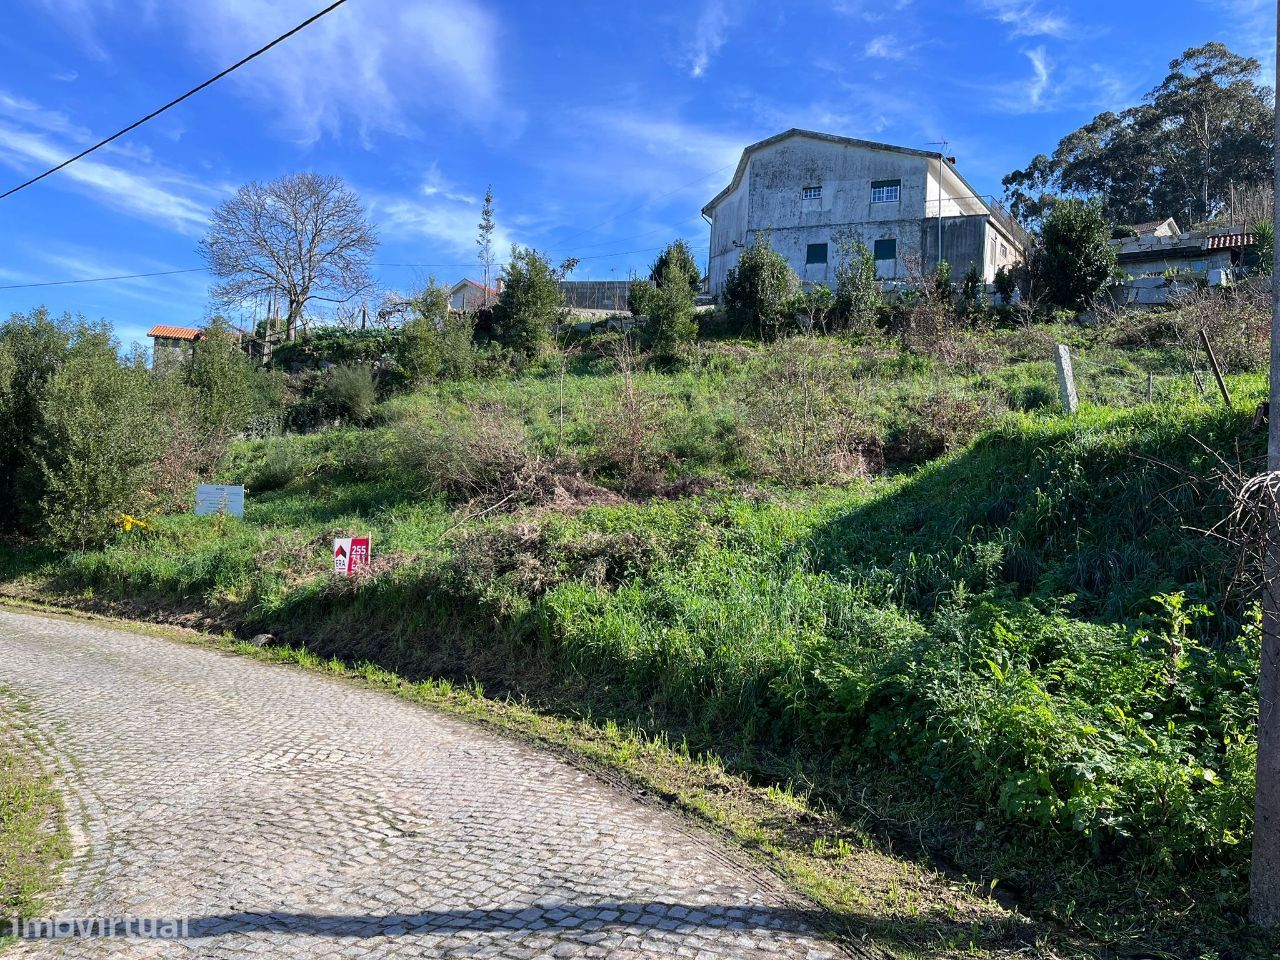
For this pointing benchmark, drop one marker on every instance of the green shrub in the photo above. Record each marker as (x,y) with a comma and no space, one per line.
(102,433)
(758,289)
(671,327)
(531,304)
(857,295)
(350,393)
(676,260)
(229,390)
(1078,256)
(437,343)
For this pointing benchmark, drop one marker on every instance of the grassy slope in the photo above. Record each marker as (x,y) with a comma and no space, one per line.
(947,630)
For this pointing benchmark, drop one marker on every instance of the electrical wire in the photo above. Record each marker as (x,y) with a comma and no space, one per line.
(123,276)
(170,273)
(173,103)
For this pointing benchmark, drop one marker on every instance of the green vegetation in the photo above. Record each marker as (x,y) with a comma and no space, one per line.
(884,570)
(1204,133)
(33,837)
(1078,258)
(758,290)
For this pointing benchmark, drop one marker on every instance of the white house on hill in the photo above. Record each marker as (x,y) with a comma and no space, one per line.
(807,190)
(467,295)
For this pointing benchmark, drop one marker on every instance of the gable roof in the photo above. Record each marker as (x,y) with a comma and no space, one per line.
(174,333)
(813,135)
(1014,230)
(1154,225)
(467,282)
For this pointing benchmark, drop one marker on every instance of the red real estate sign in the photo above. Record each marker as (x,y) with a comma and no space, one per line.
(350,554)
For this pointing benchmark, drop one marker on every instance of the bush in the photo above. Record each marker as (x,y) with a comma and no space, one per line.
(1006,284)
(32,347)
(640,296)
(476,451)
(857,295)
(671,326)
(229,390)
(437,343)
(798,425)
(531,305)
(102,432)
(676,260)
(759,288)
(1078,256)
(350,393)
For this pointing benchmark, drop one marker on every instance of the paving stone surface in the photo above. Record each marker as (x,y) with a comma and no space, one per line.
(284,814)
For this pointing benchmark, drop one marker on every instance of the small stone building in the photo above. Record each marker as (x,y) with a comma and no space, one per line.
(171,344)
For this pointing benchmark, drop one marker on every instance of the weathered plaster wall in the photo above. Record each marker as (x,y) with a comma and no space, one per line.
(771,198)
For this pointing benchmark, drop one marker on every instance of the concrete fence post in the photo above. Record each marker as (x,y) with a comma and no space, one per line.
(1067,380)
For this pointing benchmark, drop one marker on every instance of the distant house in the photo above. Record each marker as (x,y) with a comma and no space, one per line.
(171,344)
(1198,251)
(1157,228)
(467,295)
(910,208)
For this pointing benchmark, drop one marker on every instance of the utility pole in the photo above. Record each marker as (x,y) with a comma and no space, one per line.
(1264,880)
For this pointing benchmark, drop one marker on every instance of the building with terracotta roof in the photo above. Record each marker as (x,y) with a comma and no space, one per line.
(171,344)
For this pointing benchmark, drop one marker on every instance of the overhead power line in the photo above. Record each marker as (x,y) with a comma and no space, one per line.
(173,103)
(123,276)
(170,273)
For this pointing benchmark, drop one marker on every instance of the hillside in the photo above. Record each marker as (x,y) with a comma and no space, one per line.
(891,576)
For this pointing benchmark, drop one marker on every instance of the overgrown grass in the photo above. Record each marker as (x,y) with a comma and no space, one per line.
(1000,658)
(33,838)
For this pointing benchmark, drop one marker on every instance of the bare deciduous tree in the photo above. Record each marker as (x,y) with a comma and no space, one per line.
(301,238)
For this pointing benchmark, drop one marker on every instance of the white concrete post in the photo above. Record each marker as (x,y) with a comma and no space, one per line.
(1067,380)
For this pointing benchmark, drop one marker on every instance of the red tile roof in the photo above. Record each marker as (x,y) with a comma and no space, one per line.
(174,333)
(478,286)
(1229,241)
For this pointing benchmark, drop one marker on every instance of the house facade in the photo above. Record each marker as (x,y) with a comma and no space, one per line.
(171,344)
(468,296)
(809,191)
(1201,252)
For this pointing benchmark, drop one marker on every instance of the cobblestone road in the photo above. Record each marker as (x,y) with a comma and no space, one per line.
(289,815)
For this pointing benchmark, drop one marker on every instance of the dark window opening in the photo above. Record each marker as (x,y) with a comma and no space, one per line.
(886,250)
(817,253)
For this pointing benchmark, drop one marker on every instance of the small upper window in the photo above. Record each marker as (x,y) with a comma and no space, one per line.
(817,253)
(813,193)
(1004,252)
(885,191)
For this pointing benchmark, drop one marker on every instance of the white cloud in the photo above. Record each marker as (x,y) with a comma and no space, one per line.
(885,47)
(32,139)
(66,76)
(440,213)
(368,66)
(1040,77)
(1026,18)
(708,36)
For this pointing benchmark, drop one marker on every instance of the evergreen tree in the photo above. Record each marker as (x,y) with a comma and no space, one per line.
(485,240)
(532,303)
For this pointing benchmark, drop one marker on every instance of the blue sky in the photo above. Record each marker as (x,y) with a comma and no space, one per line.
(602,127)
